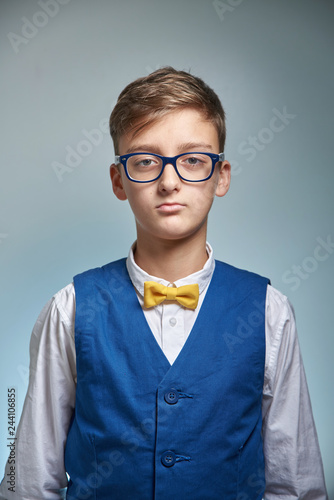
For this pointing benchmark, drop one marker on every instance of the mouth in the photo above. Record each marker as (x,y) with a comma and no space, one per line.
(170,207)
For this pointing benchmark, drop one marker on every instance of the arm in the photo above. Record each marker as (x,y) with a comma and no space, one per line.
(48,406)
(292,456)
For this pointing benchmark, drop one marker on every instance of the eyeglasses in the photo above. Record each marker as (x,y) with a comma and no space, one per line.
(190,167)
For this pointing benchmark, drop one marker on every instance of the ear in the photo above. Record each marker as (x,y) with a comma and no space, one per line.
(224,179)
(117,182)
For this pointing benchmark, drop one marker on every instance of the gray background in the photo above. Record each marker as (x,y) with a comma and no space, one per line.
(60,81)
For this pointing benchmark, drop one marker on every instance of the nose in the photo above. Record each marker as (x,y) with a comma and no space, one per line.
(169,180)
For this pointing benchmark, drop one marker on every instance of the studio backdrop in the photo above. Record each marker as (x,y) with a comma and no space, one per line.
(63,64)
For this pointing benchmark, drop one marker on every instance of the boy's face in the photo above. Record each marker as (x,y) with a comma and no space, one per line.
(170,208)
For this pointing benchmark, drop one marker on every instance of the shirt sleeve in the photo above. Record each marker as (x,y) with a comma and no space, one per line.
(293,465)
(48,406)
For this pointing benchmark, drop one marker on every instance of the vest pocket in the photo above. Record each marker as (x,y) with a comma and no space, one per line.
(107,470)
(81,468)
(251,479)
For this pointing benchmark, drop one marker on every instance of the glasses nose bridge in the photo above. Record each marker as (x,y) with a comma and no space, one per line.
(169,160)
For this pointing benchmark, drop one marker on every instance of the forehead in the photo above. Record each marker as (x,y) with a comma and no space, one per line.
(174,130)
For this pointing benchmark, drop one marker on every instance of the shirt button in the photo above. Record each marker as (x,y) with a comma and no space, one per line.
(172,397)
(172,321)
(168,458)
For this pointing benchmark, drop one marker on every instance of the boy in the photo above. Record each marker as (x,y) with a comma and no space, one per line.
(169,374)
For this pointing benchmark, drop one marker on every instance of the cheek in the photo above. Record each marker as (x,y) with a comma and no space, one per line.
(203,198)
(139,201)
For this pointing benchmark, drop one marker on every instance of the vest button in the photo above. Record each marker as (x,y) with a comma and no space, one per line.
(168,458)
(172,397)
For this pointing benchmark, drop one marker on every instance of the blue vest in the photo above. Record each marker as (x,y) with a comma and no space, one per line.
(143,429)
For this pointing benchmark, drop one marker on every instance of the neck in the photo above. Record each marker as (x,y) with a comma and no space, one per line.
(169,259)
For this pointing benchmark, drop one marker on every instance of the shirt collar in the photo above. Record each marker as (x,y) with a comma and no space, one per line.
(138,276)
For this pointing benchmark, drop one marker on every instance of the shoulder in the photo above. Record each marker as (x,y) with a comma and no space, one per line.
(64,302)
(60,308)
(108,272)
(236,274)
(277,303)
(279,310)
(55,323)
(282,344)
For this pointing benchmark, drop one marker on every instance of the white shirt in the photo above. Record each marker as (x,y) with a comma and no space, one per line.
(292,456)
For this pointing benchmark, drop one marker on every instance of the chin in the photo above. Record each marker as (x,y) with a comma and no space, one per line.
(177,234)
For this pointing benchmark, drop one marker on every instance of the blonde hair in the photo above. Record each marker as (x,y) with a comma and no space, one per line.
(147,99)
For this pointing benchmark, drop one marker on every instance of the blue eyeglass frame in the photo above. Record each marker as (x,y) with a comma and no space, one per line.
(169,160)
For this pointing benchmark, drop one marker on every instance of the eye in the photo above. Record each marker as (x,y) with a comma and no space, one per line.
(193,160)
(144,161)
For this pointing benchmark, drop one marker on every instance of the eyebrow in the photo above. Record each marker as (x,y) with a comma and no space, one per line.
(184,147)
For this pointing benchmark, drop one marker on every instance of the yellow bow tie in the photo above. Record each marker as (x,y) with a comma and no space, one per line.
(154,294)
